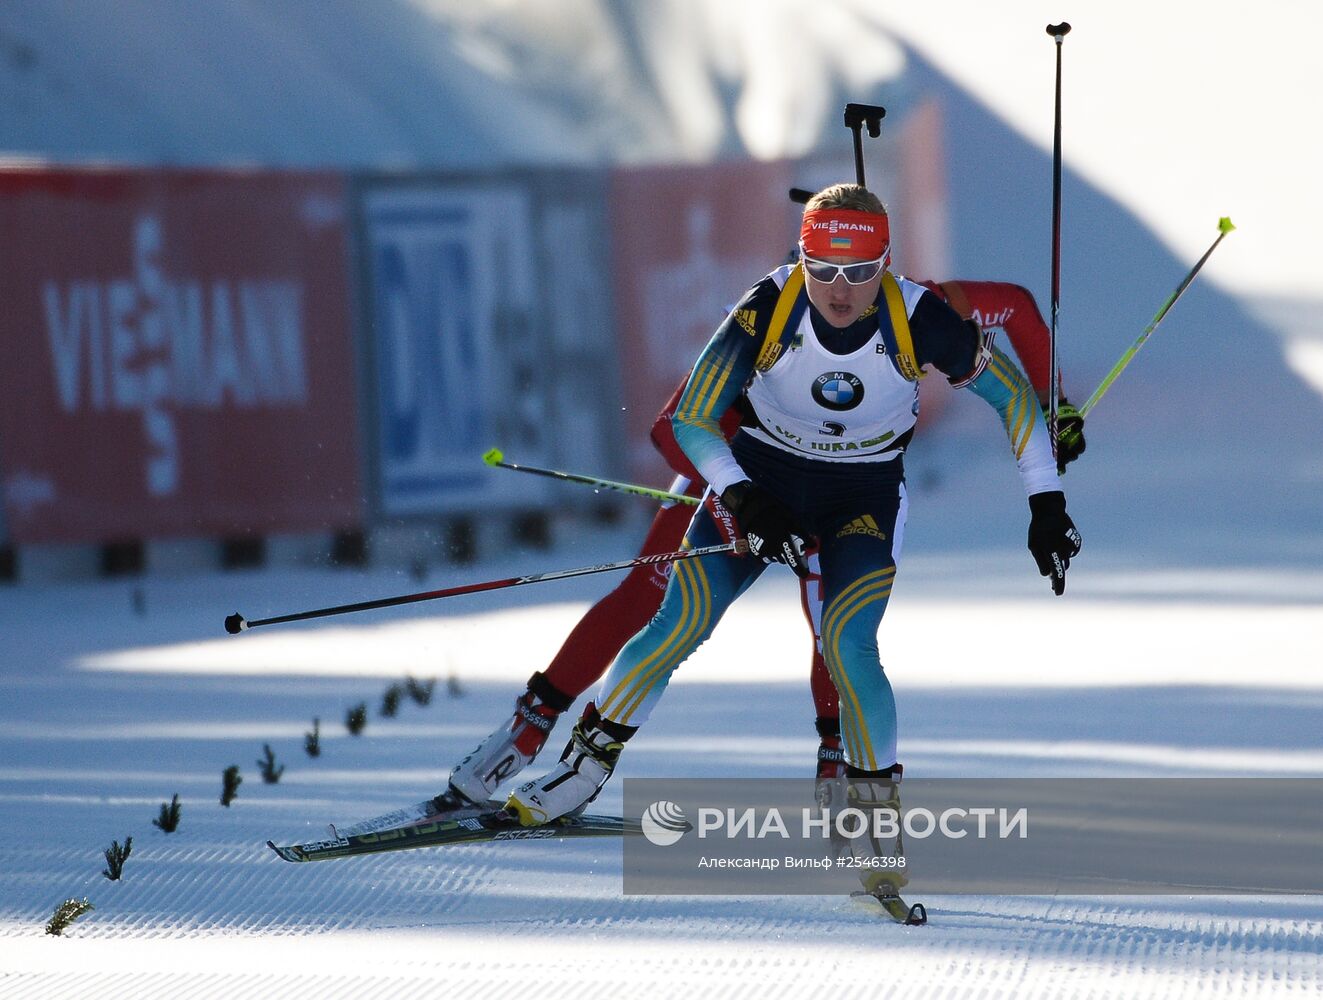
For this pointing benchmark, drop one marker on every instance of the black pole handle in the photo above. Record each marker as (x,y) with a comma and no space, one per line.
(1058,30)
(800,196)
(857,115)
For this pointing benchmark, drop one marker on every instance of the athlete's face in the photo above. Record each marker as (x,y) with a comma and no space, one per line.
(840,302)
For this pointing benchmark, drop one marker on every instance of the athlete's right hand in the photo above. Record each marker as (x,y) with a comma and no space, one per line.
(767,524)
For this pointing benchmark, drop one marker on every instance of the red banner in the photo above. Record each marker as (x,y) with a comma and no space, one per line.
(920,220)
(687,243)
(176,355)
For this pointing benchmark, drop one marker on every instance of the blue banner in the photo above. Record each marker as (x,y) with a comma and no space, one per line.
(451,282)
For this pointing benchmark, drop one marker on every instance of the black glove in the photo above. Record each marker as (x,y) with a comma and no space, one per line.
(1070,433)
(1053,540)
(767,524)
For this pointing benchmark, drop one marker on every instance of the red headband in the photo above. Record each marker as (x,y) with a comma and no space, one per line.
(845,232)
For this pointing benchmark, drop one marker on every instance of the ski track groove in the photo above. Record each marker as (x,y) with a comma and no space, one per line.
(183,986)
(538,894)
(1081,950)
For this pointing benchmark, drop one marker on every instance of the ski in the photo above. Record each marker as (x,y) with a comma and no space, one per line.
(484,827)
(896,908)
(447,805)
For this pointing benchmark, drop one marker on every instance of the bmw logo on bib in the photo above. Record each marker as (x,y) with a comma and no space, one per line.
(838,390)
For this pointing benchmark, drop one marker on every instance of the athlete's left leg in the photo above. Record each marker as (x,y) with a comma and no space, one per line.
(858,558)
(858,563)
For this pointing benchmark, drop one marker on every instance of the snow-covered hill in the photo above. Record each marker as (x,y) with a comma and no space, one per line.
(431,83)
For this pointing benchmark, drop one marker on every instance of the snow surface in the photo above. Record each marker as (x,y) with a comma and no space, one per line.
(1197,666)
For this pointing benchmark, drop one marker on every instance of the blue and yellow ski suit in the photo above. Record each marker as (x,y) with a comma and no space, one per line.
(828,414)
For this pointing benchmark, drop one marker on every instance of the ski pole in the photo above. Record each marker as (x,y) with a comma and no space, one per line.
(1224,226)
(236,623)
(1058,33)
(496,458)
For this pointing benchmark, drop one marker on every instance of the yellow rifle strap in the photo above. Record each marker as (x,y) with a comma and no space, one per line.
(776,331)
(900,327)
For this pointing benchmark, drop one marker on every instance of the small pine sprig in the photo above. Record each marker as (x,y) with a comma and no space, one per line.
(66,913)
(312,742)
(452,687)
(390,701)
(115,858)
(168,821)
(356,718)
(230,782)
(267,762)
(419,691)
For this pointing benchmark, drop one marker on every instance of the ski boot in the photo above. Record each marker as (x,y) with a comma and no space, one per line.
(509,749)
(827,787)
(584,767)
(878,857)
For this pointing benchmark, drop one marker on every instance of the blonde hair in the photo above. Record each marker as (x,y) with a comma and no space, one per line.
(853,196)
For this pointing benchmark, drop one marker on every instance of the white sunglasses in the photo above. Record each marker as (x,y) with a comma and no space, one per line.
(859,273)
